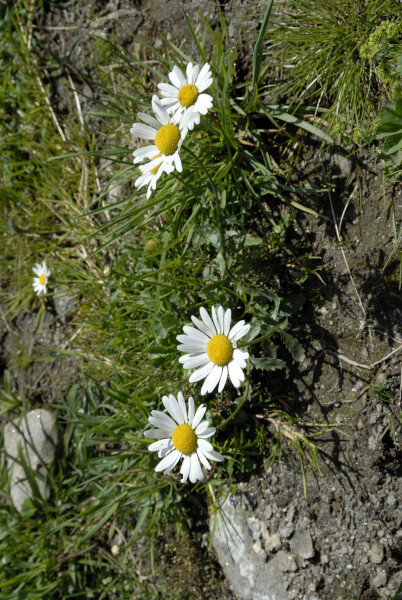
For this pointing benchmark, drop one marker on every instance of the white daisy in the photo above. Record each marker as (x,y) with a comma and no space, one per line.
(168,138)
(212,349)
(39,282)
(184,99)
(151,172)
(182,435)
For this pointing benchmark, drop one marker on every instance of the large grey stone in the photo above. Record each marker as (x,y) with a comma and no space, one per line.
(34,440)
(248,573)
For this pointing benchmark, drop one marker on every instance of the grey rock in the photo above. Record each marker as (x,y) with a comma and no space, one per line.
(34,440)
(272,543)
(249,576)
(376,554)
(286,561)
(302,544)
(380,579)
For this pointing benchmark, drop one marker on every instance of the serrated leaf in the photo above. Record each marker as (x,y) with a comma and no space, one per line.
(294,347)
(268,364)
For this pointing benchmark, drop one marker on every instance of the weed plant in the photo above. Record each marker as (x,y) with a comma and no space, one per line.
(138,268)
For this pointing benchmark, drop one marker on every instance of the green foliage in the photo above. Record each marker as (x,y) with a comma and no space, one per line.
(335,55)
(390,129)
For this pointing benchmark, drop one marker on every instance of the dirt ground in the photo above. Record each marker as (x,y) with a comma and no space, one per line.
(352,373)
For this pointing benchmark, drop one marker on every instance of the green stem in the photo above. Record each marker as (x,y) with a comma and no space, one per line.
(216,201)
(242,401)
(261,338)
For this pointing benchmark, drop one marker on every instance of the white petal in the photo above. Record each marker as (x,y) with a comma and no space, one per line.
(149,120)
(204,445)
(223,379)
(160,419)
(156,446)
(207,320)
(212,380)
(185,468)
(205,73)
(192,348)
(195,73)
(203,327)
(195,469)
(221,314)
(240,357)
(203,104)
(146,152)
(196,334)
(189,72)
(235,373)
(238,330)
(202,428)
(201,372)
(177,162)
(216,321)
(226,322)
(190,410)
(182,405)
(207,433)
(213,455)
(198,416)
(205,84)
(160,112)
(177,77)
(173,408)
(193,362)
(203,458)
(168,90)
(167,463)
(143,131)
(157,434)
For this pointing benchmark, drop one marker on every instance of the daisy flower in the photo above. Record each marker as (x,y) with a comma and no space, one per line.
(182,435)
(184,99)
(167,137)
(39,282)
(150,173)
(212,349)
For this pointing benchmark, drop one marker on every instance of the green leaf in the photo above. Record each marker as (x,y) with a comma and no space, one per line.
(294,347)
(391,127)
(278,111)
(267,364)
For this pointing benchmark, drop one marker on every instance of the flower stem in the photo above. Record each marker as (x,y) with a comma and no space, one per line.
(261,338)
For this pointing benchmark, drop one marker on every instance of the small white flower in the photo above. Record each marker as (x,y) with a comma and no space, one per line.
(168,138)
(182,435)
(212,349)
(40,282)
(184,99)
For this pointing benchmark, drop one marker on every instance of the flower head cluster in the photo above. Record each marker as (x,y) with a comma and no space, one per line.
(178,111)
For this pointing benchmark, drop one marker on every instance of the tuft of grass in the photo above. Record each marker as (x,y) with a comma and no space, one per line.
(324,55)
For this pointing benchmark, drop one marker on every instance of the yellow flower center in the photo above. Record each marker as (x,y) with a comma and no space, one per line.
(184,439)
(42,279)
(188,95)
(220,350)
(155,169)
(167,139)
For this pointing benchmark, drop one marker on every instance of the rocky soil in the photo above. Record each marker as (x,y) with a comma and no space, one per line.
(344,538)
